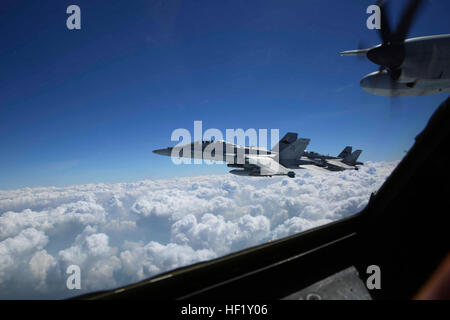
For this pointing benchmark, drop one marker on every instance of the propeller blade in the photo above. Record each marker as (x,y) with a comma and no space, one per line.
(362,48)
(406,20)
(395,106)
(394,103)
(359,52)
(395,74)
(385,31)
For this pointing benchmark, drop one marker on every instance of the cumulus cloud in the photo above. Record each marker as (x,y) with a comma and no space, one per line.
(125,232)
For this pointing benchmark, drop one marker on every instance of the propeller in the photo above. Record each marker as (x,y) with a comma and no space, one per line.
(391,53)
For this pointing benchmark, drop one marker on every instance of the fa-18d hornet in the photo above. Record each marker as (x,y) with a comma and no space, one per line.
(344,161)
(289,153)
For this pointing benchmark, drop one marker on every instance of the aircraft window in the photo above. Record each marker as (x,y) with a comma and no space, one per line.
(90,198)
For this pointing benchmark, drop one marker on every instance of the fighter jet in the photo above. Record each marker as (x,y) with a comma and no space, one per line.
(248,161)
(346,160)
(408,67)
(252,161)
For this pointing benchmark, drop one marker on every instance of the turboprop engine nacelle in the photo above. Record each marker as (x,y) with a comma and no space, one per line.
(380,83)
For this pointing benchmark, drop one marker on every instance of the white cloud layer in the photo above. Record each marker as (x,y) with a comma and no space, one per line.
(125,232)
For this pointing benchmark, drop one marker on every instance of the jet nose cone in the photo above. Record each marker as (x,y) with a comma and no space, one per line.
(163,152)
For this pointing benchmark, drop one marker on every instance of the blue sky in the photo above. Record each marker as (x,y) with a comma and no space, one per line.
(90,105)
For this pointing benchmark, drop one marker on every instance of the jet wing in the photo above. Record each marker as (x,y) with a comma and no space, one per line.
(339,163)
(313,167)
(267,165)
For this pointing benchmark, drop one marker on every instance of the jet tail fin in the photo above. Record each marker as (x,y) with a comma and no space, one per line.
(351,158)
(287,140)
(346,152)
(294,151)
